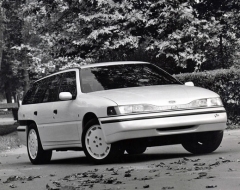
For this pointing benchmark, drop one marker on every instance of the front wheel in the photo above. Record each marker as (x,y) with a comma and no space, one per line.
(201,143)
(36,153)
(94,146)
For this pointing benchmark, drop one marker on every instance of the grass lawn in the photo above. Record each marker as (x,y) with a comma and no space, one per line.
(9,141)
(8,137)
(6,114)
(6,129)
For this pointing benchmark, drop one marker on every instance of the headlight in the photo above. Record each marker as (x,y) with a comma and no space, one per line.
(137,108)
(207,102)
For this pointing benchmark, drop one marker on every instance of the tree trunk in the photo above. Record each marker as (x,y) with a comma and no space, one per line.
(8,93)
(221,51)
(26,76)
(1,33)
(26,37)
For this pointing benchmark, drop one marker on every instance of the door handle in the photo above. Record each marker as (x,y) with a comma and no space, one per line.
(35,113)
(55,111)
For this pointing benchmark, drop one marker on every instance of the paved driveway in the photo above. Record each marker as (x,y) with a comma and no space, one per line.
(167,167)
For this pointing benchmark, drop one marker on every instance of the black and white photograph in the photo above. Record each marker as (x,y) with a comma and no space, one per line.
(119,94)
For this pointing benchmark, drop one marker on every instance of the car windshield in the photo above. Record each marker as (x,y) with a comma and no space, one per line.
(123,76)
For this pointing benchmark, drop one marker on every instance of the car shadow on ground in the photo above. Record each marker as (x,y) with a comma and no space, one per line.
(127,159)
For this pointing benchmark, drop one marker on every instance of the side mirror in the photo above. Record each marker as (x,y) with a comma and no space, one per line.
(65,96)
(189,83)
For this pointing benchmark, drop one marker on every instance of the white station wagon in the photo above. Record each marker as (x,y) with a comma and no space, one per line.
(105,109)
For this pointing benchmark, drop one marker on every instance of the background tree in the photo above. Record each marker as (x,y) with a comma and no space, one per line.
(11,35)
(225,53)
(178,35)
(1,32)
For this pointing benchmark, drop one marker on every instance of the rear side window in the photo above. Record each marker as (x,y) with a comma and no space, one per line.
(37,92)
(29,97)
(48,89)
(45,90)
(40,91)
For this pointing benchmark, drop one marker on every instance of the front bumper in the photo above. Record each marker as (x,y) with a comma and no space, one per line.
(133,126)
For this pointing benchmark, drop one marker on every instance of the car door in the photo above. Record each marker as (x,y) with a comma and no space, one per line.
(64,126)
(45,119)
(37,111)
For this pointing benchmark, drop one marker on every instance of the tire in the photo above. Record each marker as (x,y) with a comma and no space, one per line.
(136,150)
(94,146)
(203,142)
(36,153)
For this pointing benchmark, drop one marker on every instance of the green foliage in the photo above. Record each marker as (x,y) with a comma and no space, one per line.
(224,82)
(7,129)
(227,14)
(178,35)
(178,32)
(10,72)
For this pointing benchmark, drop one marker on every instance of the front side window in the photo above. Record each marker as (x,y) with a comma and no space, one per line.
(68,83)
(51,94)
(123,76)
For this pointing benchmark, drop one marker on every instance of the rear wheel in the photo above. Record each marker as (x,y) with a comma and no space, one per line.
(36,153)
(203,142)
(94,146)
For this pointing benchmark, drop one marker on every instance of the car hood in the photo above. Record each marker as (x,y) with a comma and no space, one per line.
(156,95)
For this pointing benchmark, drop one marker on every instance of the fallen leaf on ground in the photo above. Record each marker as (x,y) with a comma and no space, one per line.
(146,178)
(146,186)
(210,177)
(57,183)
(152,171)
(52,187)
(127,175)
(30,178)
(12,186)
(109,169)
(161,164)
(68,188)
(225,161)
(211,186)
(199,164)
(196,160)
(215,164)
(164,188)
(201,174)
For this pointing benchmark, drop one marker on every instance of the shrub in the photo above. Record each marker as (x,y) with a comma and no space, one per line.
(225,82)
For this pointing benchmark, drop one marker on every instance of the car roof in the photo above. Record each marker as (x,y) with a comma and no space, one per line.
(94,65)
(112,63)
